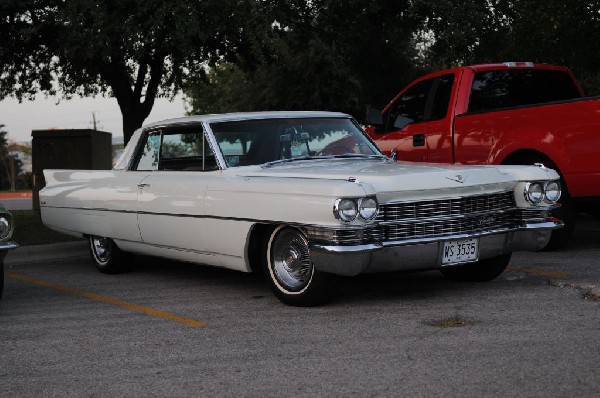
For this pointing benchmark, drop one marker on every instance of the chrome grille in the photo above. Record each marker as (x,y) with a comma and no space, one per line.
(447,207)
(434,228)
(435,218)
(429,219)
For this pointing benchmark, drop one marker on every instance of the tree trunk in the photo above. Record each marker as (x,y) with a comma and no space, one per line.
(132,120)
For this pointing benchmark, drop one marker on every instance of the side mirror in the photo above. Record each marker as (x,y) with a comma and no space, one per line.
(374,117)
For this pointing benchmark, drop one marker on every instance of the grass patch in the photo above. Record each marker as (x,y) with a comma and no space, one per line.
(452,322)
(29,230)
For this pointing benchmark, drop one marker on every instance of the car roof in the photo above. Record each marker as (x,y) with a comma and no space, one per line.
(229,117)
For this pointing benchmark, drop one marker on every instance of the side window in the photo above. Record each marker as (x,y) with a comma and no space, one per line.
(442,97)
(182,149)
(149,157)
(510,88)
(235,146)
(181,145)
(410,107)
(186,149)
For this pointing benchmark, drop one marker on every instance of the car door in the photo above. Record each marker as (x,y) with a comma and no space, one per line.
(418,124)
(171,197)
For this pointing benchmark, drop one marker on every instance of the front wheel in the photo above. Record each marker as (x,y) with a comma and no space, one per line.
(107,257)
(481,271)
(291,273)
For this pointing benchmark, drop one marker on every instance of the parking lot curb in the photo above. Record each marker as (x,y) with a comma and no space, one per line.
(40,253)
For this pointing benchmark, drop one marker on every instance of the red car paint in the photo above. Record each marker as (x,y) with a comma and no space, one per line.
(471,121)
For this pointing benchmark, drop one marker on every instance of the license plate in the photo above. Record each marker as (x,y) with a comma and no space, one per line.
(460,251)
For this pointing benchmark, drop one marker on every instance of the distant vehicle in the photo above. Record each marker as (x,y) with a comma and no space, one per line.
(511,113)
(302,196)
(6,243)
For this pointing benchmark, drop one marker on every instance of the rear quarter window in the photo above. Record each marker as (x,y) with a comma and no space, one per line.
(511,88)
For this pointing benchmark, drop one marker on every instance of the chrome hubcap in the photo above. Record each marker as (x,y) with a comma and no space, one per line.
(291,260)
(102,248)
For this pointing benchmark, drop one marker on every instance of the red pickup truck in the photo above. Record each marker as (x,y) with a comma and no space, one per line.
(511,113)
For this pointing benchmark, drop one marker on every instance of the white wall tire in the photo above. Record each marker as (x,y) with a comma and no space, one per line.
(107,257)
(289,269)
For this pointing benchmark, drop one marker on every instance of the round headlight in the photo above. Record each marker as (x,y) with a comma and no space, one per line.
(534,192)
(553,191)
(4,227)
(346,210)
(367,208)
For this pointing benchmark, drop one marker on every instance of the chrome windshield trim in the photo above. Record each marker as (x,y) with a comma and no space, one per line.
(212,142)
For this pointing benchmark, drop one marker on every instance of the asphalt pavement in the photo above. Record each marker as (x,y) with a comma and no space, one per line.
(171,329)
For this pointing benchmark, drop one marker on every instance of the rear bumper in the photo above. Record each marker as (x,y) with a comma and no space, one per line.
(423,254)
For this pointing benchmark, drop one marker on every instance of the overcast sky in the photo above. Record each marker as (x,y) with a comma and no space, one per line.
(20,119)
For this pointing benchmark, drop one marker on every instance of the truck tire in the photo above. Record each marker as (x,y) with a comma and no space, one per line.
(566,211)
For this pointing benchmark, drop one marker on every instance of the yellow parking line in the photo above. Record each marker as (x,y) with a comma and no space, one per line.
(539,272)
(119,303)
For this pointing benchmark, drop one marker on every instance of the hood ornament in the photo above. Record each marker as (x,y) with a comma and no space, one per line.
(457,178)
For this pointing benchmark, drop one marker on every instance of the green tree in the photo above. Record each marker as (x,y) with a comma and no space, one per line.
(133,50)
(546,31)
(560,32)
(317,54)
(463,31)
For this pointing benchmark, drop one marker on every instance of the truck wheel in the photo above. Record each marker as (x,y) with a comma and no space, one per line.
(566,211)
(481,271)
(107,257)
(290,271)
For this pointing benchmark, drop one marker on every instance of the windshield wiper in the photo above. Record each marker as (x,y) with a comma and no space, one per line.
(321,157)
(274,162)
(358,155)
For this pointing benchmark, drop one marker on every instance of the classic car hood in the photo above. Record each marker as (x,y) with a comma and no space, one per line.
(386,175)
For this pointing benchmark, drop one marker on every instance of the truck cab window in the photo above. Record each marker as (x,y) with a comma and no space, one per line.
(425,101)
(509,88)
(410,107)
(441,100)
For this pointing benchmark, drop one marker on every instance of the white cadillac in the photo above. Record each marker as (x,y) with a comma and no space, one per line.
(303,196)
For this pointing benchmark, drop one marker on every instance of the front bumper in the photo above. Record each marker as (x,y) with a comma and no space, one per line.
(424,253)
(8,245)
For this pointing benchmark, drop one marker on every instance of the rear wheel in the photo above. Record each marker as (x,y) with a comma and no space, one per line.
(481,271)
(290,271)
(107,257)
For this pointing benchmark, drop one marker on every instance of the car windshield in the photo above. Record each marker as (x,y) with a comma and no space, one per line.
(254,142)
